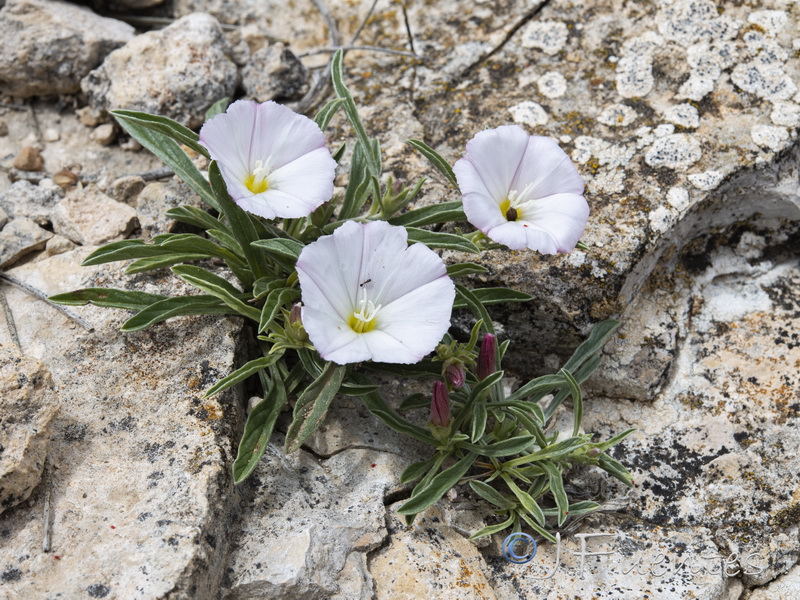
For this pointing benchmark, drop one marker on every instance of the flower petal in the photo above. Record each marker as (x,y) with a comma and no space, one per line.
(562,216)
(496,154)
(307,182)
(228,137)
(547,169)
(283,135)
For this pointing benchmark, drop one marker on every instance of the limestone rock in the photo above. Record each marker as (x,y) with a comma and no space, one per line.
(156,198)
(3,218)
(29,159)
(126,189)
(140,461)
(273,72)
(21,237)
(27,407)
(24,199)
(90,217)
(48,45)
(177,72)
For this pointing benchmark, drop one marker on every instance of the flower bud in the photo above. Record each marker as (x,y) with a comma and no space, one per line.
(440,405)
(486,356)
(294,314)
(455,374)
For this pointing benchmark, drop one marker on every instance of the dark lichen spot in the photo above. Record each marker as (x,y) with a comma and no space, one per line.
(10,574)
(98,590)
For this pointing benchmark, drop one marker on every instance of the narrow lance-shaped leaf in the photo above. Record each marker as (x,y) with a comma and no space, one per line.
(216,286)
(491,495)
(557,489)
(445,212)
(219,107)
(496,295)
(435,159)
(176,307)
(448,241)
(250,368)
(492,529)
(173,156)
(475,306)
(258,430)
(312,405)
(163,125)
(438,486)
(108,297)
(326,113)
(275,300)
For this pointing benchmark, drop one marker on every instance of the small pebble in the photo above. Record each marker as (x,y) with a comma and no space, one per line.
(104,134)
(29,159)
(51,135)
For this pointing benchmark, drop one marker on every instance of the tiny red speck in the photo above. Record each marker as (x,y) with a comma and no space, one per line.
(566,512)
(374,465)
(57,557)
(113,527)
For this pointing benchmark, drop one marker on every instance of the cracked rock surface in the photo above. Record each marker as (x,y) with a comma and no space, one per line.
(682,117)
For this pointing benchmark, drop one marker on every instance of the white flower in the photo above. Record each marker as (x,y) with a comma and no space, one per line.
(368,295)
(273,160)
(522,191)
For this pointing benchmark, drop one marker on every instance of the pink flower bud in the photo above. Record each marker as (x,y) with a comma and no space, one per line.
(294,314)
(455,375)
(486,356)
(440,405)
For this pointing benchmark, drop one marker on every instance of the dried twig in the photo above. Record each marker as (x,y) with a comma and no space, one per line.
(364,22)
(47,533)
(42,296)
(12,329)
(366,48)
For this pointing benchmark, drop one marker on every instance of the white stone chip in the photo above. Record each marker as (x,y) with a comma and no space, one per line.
(684,115)
(617,115)
(552,85)
(528,113)
(706,181)
(664,130)
(547,36)
(773,21)
(767,136)
(661,219)
(677,151)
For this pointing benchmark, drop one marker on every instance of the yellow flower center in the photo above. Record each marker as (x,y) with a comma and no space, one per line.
(364,319)
(256,181)
(511,207)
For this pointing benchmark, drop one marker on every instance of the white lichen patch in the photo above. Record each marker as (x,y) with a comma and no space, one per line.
(689,21)
(677,151)
(764,74)
(706,63)
(664,130)
(608,181)
(547,36)
(786,114)
(767,136)
(576,258)
(528,113)
(635,66)
(617,115)
(774,22)
(661,219)
(683,115)
(678,197)
(706,181)
(552,84)
(606,153)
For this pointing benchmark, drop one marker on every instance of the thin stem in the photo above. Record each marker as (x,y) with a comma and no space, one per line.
(365,48)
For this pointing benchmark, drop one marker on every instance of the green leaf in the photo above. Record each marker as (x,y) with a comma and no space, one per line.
(492,529)
(216,286)
(191,215)
(357,389)
(437,487)
(491,495)
(475,306)
(258,430)
(219,107)
(615,469)
(529,423)
(444,212)
(495,295)
(163,125)
(575,510)
(241,225)
(372,157)
(415,401)
(507,447)
(486,384)
(538,528)
(416,470)
(577,401)
(479,416)
(603,446)
(275,300)
(108,297)
(121,250)
(593,344)
(157,262)
(263,286)
(176,307)
(357,190)
(242,373)
(312,405)
(448,241)
(557,489)
(527,502)
(326,113)
(540,386)
(282,247)
(436,160)
(173,156)
(376,405)
(465,268)
(550,452)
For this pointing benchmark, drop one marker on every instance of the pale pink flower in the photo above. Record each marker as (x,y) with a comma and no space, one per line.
(368,295)
(273,160)
(522,191)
